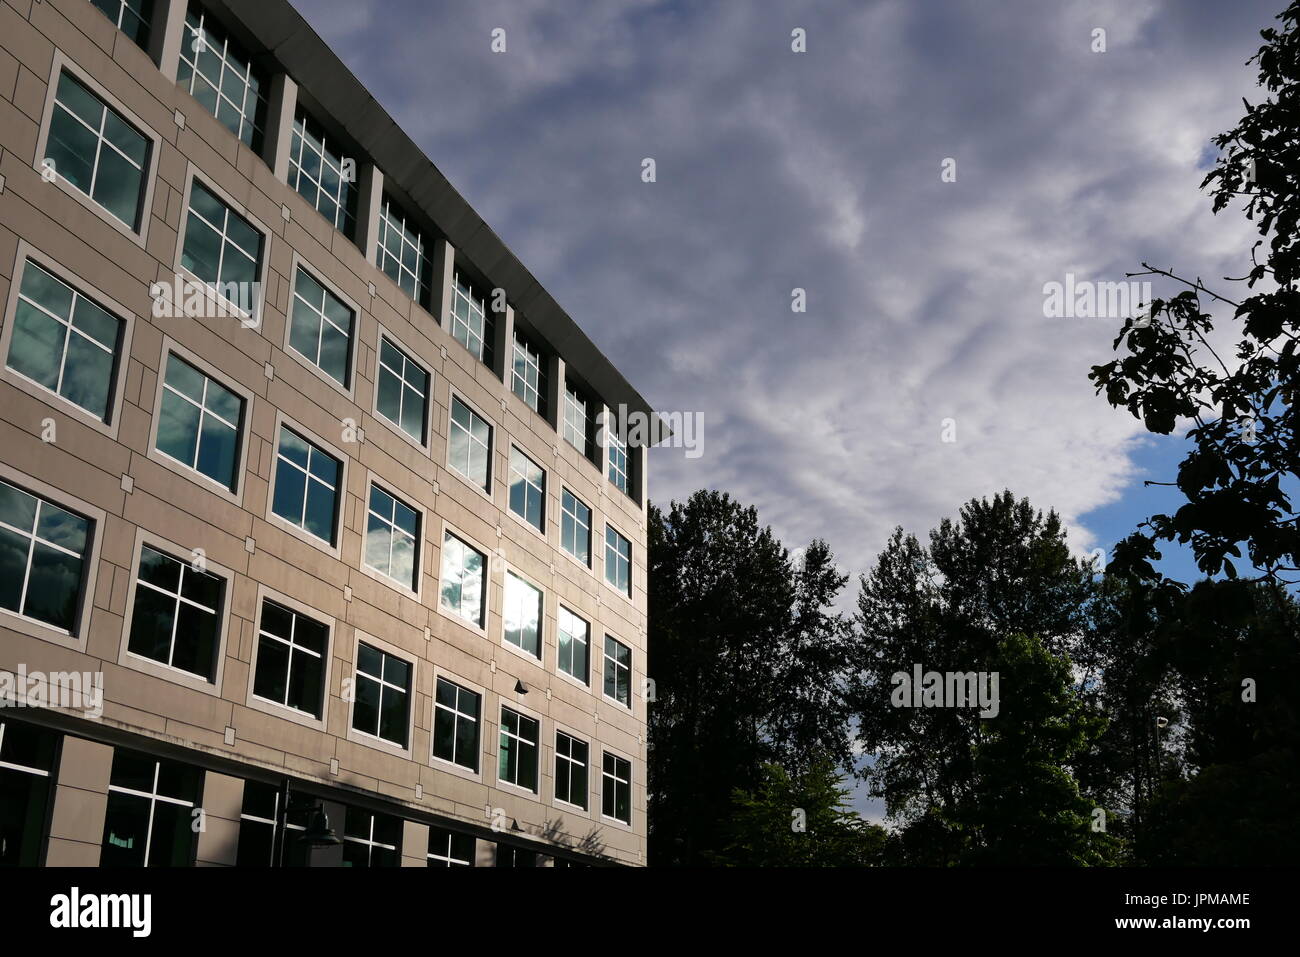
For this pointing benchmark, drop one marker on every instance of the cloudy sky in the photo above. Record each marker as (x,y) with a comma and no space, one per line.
(822,170)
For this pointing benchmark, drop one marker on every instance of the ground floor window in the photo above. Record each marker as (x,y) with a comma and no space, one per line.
(27,758)
(153,813)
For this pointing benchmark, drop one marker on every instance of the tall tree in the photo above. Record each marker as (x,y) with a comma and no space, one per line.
(1002,568)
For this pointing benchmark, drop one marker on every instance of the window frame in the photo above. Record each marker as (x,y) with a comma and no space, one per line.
(273,708)
(129,659)
(424,281)
(283,421)
(445,764)
(604,574)
(258,138)
(464,286)
(373,480)
(604,670)
(222,309)
(510,481)
(448,860)
(521,341)
(486,490)
(540,745)
(348,387)
(139,235)
(349,191)
(154,797)
(26,255)
(588,564)
(584,684)
(556,800)
(32,627)
(540,657)
(479,627)
(358,736)
(381,334)
(631,792)
(171,347)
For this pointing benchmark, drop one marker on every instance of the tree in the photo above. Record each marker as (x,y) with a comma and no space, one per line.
(1002,568)
(1242,471)
(799,820)
(1025,807)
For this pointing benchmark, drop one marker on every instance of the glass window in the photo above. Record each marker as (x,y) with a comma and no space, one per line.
(570,770)
(152,807)
(43,552)
(222,248)
(522,615)
(618,462)
(575,528)
(402,392)
(177,615)
(463,566)
(393,538)
(528,378)
(518,757)
(510,856)
(450,848)
(403,252)
(306,486)
(316,171)
(616,788)
(618,671)
(218,73)
(575,644)
(527,490)
(199,422)
(577,426)
(371,840)
(321,327)
(27,758)
(471,444)
(383,695)
(618,561)
(291,660)
(96,150)
(131,17)
(471,323)
(64,342)
(259,823)
(456,724)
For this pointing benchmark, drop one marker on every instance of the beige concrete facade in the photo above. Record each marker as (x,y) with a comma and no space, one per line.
(112,474)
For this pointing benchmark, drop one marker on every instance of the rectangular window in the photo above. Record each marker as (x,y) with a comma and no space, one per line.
(455,724)
(574,645)
(528,378)
(131,17)
(618,671)
(383,695)
(522,615)
(519,750)
(403,253)
(575,527)
(218,73)
(616,788)
(151,813)
(95,149)
(471,323)
(27,758)
(320,328)
(393,538)
(510,856)
(471,444)
(371,840)
(618,561)
(618,462)
(306,486)
(570,770)
(577,421)
(450,849)
(527,490)
(316,171)
(463,591)
(291,659)
(177,616)
(402,391)
(260,822)
(64,342)
(200,422)
(223,249)
(43,551)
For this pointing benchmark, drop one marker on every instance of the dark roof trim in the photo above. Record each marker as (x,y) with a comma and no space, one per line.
(313,65)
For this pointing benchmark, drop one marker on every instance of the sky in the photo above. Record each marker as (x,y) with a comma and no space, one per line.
(823,170)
